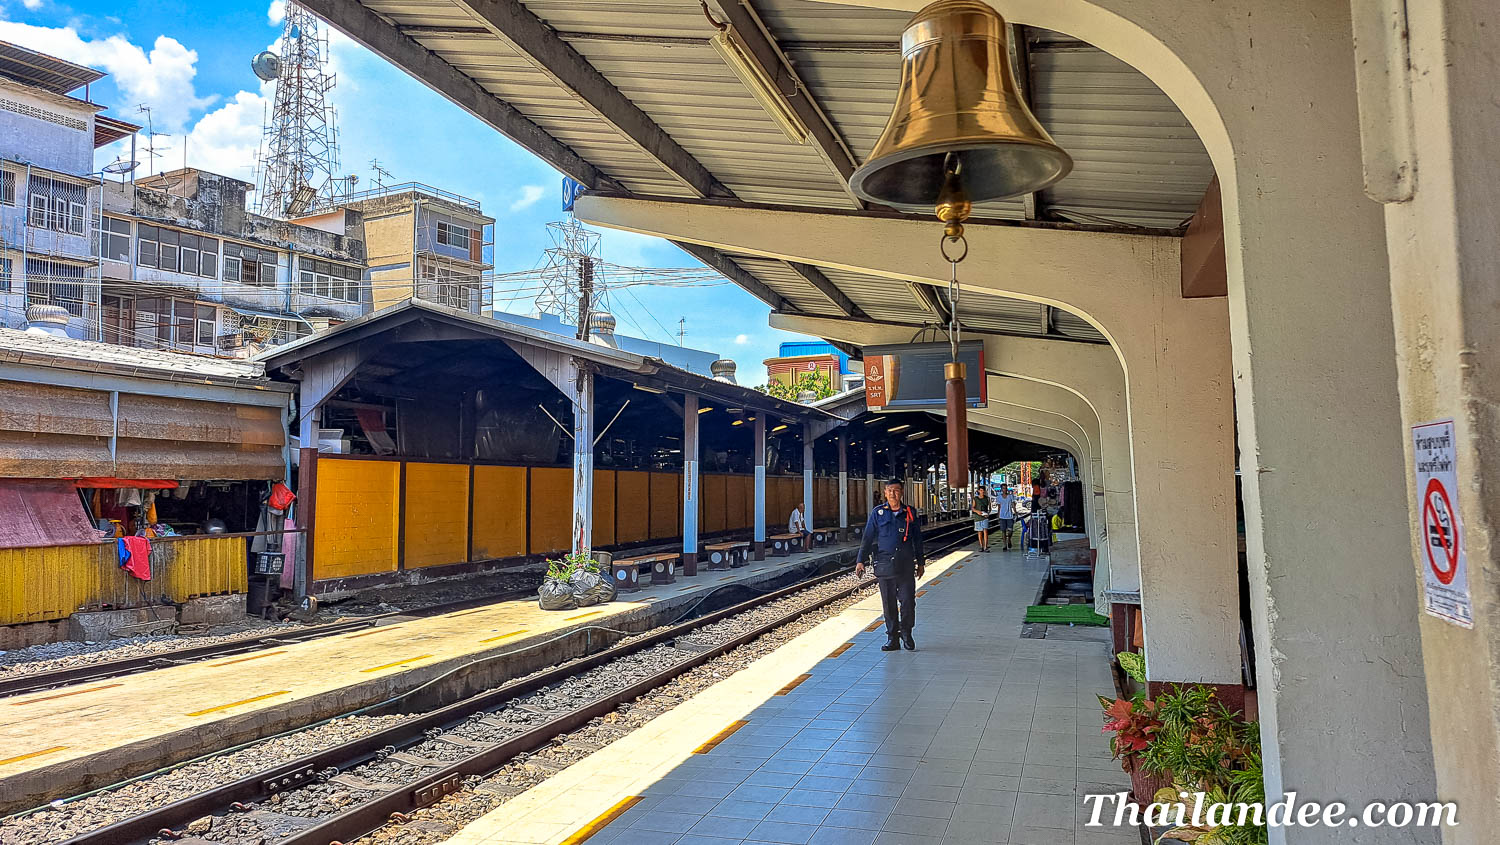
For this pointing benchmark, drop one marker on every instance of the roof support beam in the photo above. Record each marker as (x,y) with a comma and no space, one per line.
(525,33)
(726,267)
(380,37)
(928,296)
(1020,60)
(825,286)
(741,15)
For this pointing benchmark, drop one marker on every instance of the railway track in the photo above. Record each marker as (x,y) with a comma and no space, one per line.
(345,791)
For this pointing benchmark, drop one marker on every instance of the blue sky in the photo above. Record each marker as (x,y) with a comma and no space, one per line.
(192,67)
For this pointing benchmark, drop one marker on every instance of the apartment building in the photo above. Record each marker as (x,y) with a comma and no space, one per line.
(424,243)
(185,265)
(49,190)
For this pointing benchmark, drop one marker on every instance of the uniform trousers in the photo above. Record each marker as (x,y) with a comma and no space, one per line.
(898,598)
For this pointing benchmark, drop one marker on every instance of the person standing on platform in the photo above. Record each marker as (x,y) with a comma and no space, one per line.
(893,544)
(1006,505)
(981,512)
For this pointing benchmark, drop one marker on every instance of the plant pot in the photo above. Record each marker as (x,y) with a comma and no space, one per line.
(1143,787)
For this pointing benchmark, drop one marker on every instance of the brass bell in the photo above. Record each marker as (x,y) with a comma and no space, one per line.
(959,133)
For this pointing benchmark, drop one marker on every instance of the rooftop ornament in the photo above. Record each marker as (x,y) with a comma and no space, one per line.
(959,134)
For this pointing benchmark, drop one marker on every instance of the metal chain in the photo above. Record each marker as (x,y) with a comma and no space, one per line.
(953,324)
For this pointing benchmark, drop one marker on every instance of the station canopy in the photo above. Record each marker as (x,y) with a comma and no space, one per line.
(630,98)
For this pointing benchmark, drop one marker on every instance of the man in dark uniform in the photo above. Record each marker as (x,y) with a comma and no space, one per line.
(893,543)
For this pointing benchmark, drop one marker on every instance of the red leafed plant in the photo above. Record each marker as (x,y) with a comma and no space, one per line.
(1133,721)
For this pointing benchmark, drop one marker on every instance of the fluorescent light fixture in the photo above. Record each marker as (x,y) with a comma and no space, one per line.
(916,434)
(705,410)
(738,422)
(896,428)
(759,83)
(932,440)
(647,389)
(779,427)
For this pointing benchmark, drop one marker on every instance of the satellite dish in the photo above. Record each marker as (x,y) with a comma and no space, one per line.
(121,166)
(267,65)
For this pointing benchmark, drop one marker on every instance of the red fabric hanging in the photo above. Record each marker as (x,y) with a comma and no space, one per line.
(140,483)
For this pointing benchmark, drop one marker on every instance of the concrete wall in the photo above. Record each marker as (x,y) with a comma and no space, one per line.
(46,130)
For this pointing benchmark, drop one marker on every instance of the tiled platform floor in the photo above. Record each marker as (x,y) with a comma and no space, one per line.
(978,737)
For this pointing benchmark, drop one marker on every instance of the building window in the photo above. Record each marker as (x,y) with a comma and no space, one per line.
(58,205)
(161,322)
(317,277)
(55,283)
(453,288)
(5,274)
(249,265)
(115,239)
(180,252)
(7,188)
(450,234)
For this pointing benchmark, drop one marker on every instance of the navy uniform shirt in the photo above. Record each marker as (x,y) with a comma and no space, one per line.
(893,539)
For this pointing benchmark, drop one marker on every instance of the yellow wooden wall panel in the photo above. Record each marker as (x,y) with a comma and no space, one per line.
(437,514)
(715,518)
(737,491)
(632,491)
(551,510)
(499,512)
(355,528)
(604,508)
(666,505)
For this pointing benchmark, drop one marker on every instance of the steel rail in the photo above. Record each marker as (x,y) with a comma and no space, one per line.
(369,815)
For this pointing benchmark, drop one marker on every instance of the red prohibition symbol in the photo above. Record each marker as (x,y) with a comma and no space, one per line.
(1440,530)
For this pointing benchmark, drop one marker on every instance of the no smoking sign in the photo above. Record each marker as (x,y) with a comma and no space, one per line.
(1445,575)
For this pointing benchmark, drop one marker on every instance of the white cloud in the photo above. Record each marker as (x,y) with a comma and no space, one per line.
(33,5)
(225,140)
(530,195)
(277,13)
(162,79)
(741,339)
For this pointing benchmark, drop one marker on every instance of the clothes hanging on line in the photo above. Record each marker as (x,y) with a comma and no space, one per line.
(135,556)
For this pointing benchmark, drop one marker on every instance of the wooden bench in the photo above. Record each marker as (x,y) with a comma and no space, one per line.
(727,555)
(663,569)
(823,536)
(782,544)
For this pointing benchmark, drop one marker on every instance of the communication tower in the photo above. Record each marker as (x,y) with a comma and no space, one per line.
(299,145)
(569,287)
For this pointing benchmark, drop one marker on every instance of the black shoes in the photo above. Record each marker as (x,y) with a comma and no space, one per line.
(906,640)
(892,645)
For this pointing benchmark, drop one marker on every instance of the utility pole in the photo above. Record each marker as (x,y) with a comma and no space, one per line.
(585,294)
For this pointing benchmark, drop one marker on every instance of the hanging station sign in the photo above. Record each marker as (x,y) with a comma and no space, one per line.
(910,375)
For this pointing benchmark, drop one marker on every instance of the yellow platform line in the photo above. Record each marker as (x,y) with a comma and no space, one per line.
(841,649)
(796,682)
(238,703)
(583,615)
(875,626)
(32,754)
(467,612)
(62,695)
(922,592)
(593,827)
(713,741)
(396,663)
(505,636)
(251,657)
(380,630)
(688,587)
(728,578)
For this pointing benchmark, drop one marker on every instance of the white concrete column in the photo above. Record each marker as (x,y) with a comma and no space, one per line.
(690,484)
(583,459)
(807,474)
(760,485)
(1436,171)
(843,483)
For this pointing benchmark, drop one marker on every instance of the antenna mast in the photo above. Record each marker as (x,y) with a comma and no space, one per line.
(299,145)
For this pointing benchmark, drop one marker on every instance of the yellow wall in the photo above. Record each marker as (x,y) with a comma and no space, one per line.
(551,510)
(355,527)
(633,489)
(499,512)
(666,505)
(437,514)
(604,507)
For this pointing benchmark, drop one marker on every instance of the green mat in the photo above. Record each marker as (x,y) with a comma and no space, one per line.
(1065,614)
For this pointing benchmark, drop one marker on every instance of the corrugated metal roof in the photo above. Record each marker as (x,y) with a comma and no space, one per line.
(43,71)
(1137,160)
(20,347)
